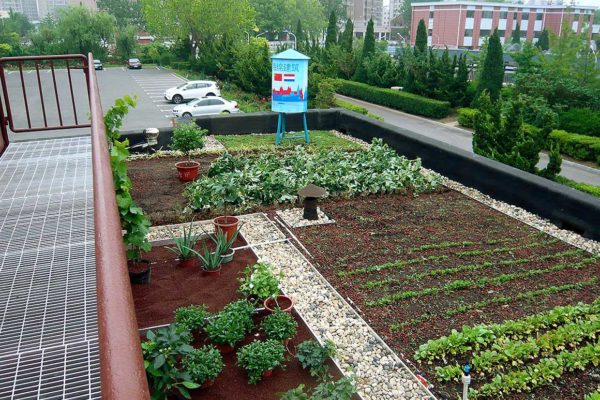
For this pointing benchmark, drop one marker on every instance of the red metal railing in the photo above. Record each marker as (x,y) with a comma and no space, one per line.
(122,370)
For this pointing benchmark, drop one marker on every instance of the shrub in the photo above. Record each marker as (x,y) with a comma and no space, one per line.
(259,357)
(313,356)
(181,65)
(403,101)
(466,117)
(279,325)
(165,59)
(203,364)
(259,281)
(232,323)
(351,107)
(187,138)
(191,317)
(325,94)
(343,389)
(580,147)
(580,120)
(584,187)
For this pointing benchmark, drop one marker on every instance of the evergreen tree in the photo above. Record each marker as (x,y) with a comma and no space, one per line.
(492,74)
(543,42)
(347,36)
(421,39)
(331,38)
(460,83)
(516,35)
(369,44)
(300,38)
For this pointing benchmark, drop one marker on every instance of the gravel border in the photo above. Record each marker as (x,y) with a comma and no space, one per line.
(349,138)
(294,218)
(211,146)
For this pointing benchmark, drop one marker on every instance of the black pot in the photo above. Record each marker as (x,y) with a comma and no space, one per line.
(139,271)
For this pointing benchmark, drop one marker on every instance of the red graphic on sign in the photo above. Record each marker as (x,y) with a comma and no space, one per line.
(278,77)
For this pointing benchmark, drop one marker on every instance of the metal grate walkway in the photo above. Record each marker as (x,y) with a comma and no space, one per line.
(48,319)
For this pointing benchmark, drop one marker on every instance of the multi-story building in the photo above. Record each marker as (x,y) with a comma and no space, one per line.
(361,11)
(36,10)
(465,24)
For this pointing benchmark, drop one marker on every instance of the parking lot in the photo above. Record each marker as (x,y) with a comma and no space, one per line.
(147,84)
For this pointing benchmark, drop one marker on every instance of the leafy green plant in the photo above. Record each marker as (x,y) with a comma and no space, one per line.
(192,317)
(258,357)
(187,138)
(220,240)
(133,221)
(313,356)
(162,351)
(185,244)
(279,325)
(342,389)
(211,260)
(203,364)
(270,178)
(260,281)
(231,324)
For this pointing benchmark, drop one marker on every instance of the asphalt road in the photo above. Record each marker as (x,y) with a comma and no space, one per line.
(462,138)
(147,84)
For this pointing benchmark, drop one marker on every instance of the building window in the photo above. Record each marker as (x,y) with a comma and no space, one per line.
(484,33)
(501,33)
(539,16)
(429,32)
(525,16)
(470,13)
(431,14)
(537,34)
(468,32)
(503,14)
(487,14)
(576,18)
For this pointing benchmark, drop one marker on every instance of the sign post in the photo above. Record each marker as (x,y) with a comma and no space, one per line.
(289,89)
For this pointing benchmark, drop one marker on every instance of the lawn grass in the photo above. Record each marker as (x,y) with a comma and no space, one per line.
(319,140)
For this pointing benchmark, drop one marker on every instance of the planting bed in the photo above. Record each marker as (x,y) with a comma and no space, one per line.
(419,267)
(172,287)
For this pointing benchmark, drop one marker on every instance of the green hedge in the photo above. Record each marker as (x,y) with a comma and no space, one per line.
(584,187)
(181,65)
(466,116)
(581,120)
(408,102)
(580,147)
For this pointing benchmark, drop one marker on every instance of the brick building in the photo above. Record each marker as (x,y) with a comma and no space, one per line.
(465,24)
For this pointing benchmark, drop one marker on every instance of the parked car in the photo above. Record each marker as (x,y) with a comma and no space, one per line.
(192,90)
(205,106)
(98,65)
(134,63)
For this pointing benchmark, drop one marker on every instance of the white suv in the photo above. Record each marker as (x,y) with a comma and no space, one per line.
(192,90)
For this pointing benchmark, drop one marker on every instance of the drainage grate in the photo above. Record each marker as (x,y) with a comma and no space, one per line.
(48,319)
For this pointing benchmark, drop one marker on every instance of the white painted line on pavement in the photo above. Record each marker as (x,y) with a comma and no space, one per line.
(157,68)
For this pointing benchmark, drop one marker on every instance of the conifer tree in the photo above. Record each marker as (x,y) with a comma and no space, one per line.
(516,35)
(492,74)
(331,38)
(421,38)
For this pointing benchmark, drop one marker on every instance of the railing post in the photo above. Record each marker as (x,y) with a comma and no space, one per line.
(122,371)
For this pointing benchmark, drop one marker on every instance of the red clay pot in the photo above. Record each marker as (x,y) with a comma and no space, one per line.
(216,272)
(283,302)
(189,262)
(207,384)
(226,224)
(225,348)
(267,373)
(188,170)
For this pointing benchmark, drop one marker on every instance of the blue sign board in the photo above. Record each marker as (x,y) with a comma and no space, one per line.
(289,82)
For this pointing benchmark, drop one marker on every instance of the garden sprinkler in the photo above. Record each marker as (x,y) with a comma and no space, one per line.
(466,380)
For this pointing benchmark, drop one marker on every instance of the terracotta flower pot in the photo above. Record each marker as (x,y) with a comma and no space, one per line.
(225,348)
(139,271)
(226,224)
(267,373)
(207,384)
(188,262)
(214,272)
(285,303)
(188,170)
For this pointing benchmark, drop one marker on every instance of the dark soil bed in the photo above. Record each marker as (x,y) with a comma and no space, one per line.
(172,287)
(428,235)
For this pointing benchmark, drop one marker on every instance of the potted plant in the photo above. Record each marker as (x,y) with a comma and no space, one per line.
(203,365)
(136,226)
(223,245)
(313,356)
(192,317)
(187,138)
(139,269)
(226,194)
(231,325)
(211,260)
(184,246)
(259,359)
(259,282)
(280,326)
(163,350)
